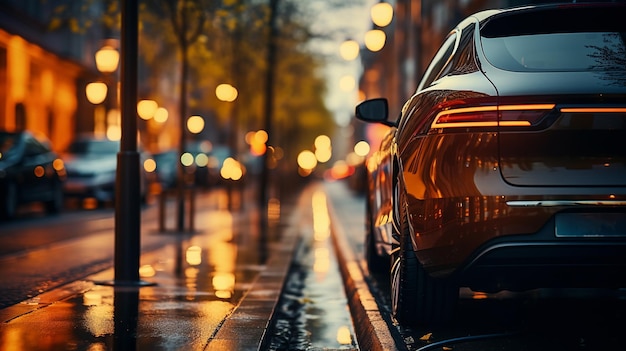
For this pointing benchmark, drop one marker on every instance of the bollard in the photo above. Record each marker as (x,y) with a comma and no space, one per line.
(162,198)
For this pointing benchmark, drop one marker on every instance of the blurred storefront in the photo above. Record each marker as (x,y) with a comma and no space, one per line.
(43,72)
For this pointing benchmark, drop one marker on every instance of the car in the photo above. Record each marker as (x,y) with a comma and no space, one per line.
(506,169)
(91,166)
(167,168)
(30,171)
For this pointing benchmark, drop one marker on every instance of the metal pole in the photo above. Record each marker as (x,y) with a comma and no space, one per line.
(127,196)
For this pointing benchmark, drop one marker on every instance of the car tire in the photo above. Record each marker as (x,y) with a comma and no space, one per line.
(375,263)
(416,297)
(8,207)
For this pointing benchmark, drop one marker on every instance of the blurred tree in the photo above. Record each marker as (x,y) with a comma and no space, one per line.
(212,42)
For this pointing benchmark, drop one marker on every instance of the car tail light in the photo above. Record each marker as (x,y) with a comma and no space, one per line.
(487,116)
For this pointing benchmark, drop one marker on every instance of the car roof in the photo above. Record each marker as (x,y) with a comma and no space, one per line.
(488,15)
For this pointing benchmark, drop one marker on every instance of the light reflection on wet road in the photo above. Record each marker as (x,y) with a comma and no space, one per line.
(313,312)
(200,277)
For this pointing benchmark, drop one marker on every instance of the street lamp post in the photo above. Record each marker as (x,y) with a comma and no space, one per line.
(127,196)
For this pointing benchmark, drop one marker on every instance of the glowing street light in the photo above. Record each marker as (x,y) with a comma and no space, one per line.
(382,14)
(375,39)
(362,148)
(107,59)
(195,124)
(161,115)
(307,160)
(96,92)
(226,92)
(146,109)
(349,50)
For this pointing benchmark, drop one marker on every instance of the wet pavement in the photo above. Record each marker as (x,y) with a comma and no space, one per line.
(209,290)
(313,312)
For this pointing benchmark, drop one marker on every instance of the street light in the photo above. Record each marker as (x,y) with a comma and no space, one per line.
(96,93)
(226,92)
(107,59)
(195,124)
(146,109)
(382,14)
(349,50)
(375,39)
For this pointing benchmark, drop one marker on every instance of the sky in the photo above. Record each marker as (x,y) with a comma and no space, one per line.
(348,22)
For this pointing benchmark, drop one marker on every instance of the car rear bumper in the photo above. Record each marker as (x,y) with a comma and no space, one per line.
(522,262)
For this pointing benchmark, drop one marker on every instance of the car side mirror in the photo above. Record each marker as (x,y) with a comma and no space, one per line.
(374,110)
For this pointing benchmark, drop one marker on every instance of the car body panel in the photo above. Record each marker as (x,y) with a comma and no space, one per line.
(91,165)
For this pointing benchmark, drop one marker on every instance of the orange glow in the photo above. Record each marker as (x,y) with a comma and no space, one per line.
(149,165)
(375,39)
(58,164)
(39,171)
(344,336)
(96,92)
(349,50)
(382,14)
(226,92)
(107,59)
(232,169)
(479,295)
(489,123)
(147,271)
(321,219)
(193,255)
(19,64)
(595,109)
(146,109)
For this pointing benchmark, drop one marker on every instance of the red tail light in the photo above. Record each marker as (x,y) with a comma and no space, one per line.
(487,116)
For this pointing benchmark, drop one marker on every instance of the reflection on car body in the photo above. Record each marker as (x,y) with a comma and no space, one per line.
(29,172)
(507,167)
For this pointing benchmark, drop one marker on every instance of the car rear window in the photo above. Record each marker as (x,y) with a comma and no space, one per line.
(603,51)
(561,39)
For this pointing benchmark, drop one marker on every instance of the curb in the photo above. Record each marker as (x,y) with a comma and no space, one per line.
(371,329)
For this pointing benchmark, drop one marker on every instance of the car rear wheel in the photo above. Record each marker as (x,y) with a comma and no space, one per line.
(416,297)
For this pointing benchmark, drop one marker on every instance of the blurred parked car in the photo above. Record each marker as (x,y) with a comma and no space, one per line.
(507,167)
(91,165)
(29,172)
(167,168)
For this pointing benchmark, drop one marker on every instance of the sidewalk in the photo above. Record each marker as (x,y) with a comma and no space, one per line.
(201,294)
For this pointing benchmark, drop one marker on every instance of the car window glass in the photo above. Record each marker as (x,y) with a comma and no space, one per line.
(586,51)
(463,61)
(82,147)
(439,61)
(33,147)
